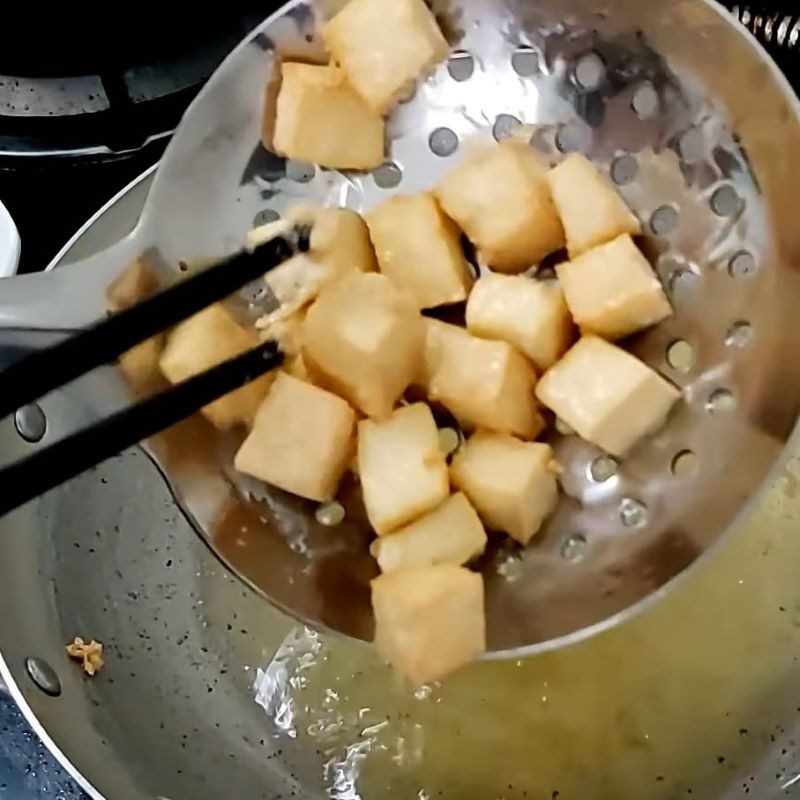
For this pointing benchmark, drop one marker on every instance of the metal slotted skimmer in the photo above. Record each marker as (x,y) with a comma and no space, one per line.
(644,98)
(701,134)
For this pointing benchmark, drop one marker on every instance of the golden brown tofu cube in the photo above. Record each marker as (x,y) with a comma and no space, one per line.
(135,283)
(450,534)
(341,238)
(606,395)
(302,440)
(485,384)
(612,291)
(419,250)
(287,332)
(383,47)
(340,245)
(530,315)
(204,341)
(500,198)
(320,119)
(296,367)
(140,364)
(402,468)
(512,484)
(591,209)
(429,621)
(364,340)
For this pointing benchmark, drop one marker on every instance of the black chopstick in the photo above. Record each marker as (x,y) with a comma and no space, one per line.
(45,370)
(47,468)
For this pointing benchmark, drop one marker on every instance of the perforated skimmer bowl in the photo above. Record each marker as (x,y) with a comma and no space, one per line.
(701,134)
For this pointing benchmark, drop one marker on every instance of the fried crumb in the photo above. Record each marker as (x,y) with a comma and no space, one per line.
(90,653)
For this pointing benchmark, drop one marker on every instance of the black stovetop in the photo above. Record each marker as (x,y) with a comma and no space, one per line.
(27,770)
(51,199)
(84,111)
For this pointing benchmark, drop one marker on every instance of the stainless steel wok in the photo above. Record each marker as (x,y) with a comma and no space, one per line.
(209,691)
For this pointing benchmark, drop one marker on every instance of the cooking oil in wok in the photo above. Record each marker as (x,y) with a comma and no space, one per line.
(677,703)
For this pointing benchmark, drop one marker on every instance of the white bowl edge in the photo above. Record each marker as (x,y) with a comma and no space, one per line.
(9,244)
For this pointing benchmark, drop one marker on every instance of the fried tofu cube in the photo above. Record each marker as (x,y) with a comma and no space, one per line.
(296,367)
(485,384)
(295,284)
(302,440)
(140,364)
(512,484)
(419,250)
(403,470)
(383,47)
(340,237)
(340,244)
(364,340)
(204,341)
(500,198)
(606,395)
(530,315)
(319,118)
(591,209)
(287,332)
(429,621)
(450,534)
(612,291)
(135,283)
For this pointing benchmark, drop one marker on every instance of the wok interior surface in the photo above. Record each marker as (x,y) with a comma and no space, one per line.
(211,691)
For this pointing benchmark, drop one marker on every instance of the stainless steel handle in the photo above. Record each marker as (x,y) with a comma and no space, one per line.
(64,299)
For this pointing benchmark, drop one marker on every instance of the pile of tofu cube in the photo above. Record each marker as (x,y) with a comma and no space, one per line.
(359,347)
